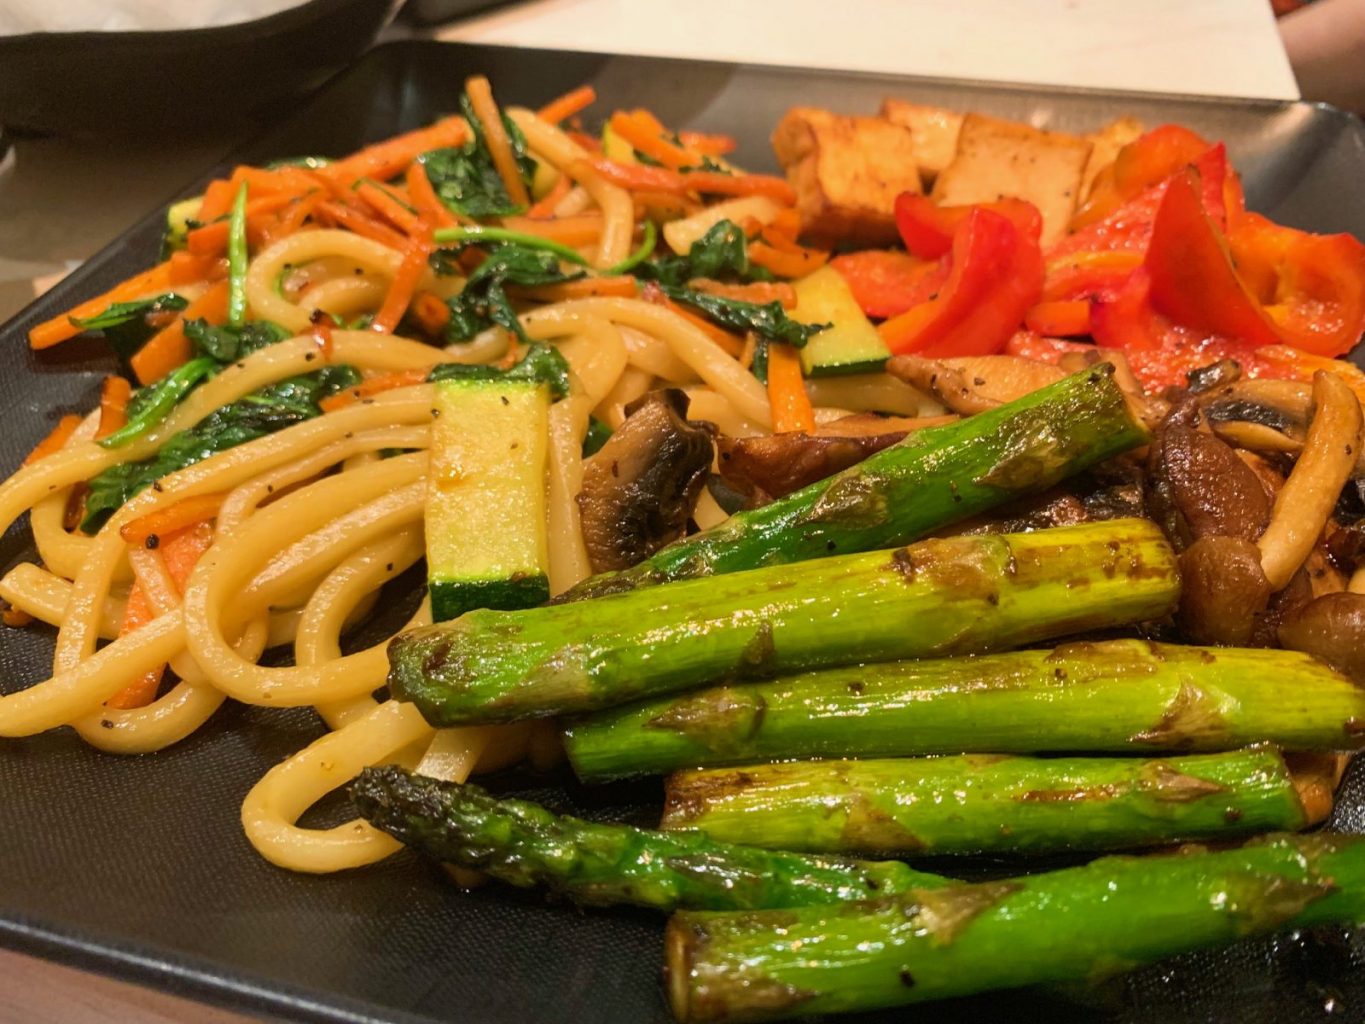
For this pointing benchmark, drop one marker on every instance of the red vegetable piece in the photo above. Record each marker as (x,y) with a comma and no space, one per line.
(927,229)
(886,283)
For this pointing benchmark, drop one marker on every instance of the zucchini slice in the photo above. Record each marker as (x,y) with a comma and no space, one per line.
(850,344)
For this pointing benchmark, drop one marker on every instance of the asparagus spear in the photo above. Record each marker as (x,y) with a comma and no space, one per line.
(951,596)
(1121,696)
(986,803)
(524,844)
(932,478)
(1110,915)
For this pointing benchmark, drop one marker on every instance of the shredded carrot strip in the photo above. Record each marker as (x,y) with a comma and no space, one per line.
(367,227)
(430,312)
(787,392)
(623,286)
(212,239)
(386,159)
(636,177)
(321,331)
(261,182)
(137,612)
(545,207)
(732,344)
(183,513)
(374,386)
(480,95)
(217,200)
(759,292)
(60,328)
(291,218)
(404,284)
(382,203)
(796,262)
(662,206)
(425,199)
(114,395)
(188,268)
(169,348)
(566,106)
(580,229)
(785,227)
(708,145)
(646,135)
(61,433)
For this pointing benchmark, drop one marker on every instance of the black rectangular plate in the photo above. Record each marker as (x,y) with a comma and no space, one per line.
(138,867)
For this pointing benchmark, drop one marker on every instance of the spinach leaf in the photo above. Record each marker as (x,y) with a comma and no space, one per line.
(464,176)
(768,321)
(262,412)
(721,254)
(228,344)
(125,326)
(542,363)
(598,434)
(484,302)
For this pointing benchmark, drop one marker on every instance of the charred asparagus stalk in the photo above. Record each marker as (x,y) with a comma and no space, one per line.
(524,844)
(1122,696)
(932,478)
(986,803)
(938,597)
(1072,925)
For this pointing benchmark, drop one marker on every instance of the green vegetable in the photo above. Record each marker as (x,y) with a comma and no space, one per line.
(932,478)
(179,219)
(477,234)
(262,412)
(237,260)
(152,404)
(598,434)
(850,344)
(1121,696)
(483,302)
(768,321)
(987,803)
(488,458)
(228,344)
(721,254)
(124,324)
(606,864)
(638,257)
(1079,924)
(464,177)
(541,364)
(954,596)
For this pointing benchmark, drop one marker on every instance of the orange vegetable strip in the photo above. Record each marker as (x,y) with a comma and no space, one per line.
(385,159)
(732,344)
(787,392)
(367,227)
(707,145)
(262,182)
(388,207)
(291,218)
(573,102)
(50,445)
(137,612)
(796,262)
(189,268)
(169,347)
(621,286)
(425,199)
(374,386)
(60,328)
(646,135)
(759,292)
(217,200)
(545,207)
(480,95)
(580,229)
(642,177)
(211,239)
(183,513)
(403,285)
(114,395)
(430,312)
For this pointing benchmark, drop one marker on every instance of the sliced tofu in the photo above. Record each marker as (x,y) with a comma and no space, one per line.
(1003,158)
(847,172)
(933,133)
(1107,142)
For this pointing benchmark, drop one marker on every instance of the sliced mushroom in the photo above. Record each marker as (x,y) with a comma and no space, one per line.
(639,490)
(976,383)
(1222,591)
(764,468)
(1331,628)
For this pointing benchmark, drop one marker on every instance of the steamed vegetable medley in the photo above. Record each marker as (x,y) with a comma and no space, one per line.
(967,489)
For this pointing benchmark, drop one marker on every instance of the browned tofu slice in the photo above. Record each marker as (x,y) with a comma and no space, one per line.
(933,133)
(1107,142)
(1003,158)
(847,172)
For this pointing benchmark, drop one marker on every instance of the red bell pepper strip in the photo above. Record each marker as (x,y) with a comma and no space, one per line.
(1192,277)
(1088,275)
(996,275)
(888,282)
(1127,321)
(927,229)
(1147,160)
(1068,318)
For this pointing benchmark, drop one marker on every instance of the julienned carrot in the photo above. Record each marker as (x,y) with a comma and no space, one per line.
(787,392)
(495,138)
(386,159)
(114,395)
(60,328)
(404,284)
(634,177)
(181,551)
(291,218)
(621,286)
(1060,318)
(545,206)
(169,348)
(290,180)
(212,239)
(367,227)
(217,200)
(189,268)
(566,106)
(732,344)
(50,445)
(424,198)
(792,262)
(580,229)
(383,203)
(709,145)
(186,512)
(430,312)
(374,386)
(759,292)
(646,135)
